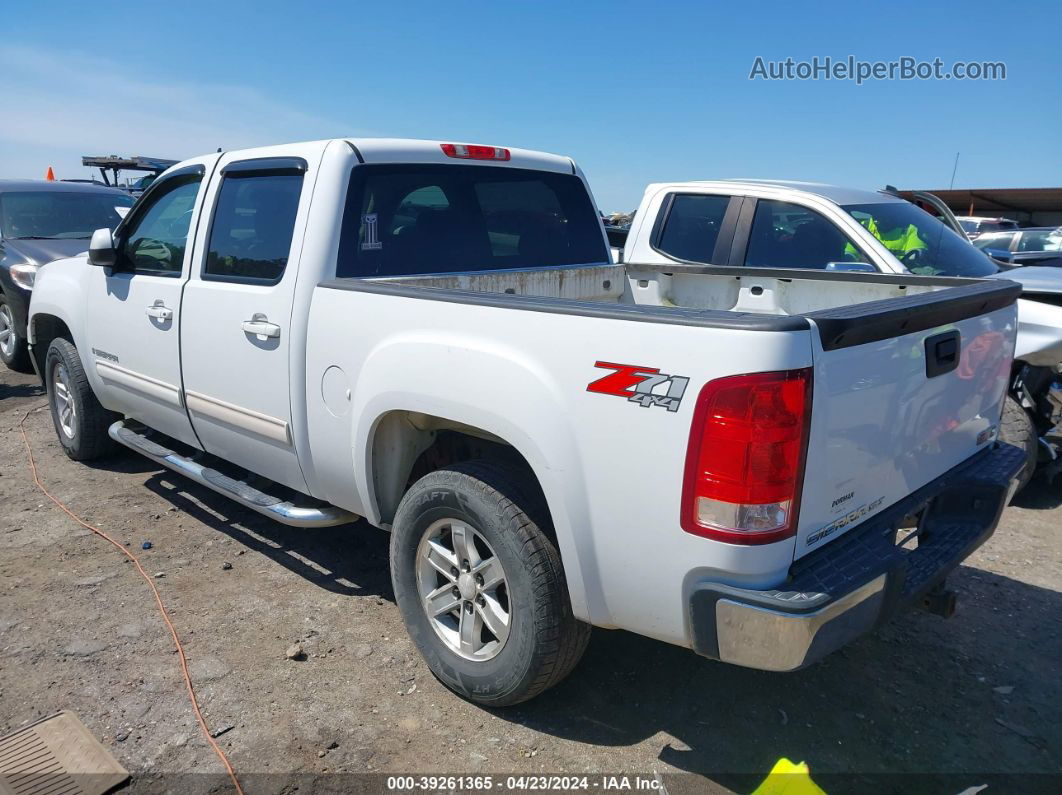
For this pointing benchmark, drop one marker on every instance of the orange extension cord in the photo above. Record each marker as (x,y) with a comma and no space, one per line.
(151,584)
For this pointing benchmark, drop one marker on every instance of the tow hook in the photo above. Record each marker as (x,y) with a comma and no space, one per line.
(940,601)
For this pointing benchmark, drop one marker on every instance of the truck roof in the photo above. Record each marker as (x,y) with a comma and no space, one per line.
(833,193)
(412,150)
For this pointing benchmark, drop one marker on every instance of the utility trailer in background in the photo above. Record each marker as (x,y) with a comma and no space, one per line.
(115,165)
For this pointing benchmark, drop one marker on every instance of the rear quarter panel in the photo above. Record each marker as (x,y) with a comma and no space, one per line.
(611,469)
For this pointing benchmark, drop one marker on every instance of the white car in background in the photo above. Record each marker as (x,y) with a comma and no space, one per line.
(809,226)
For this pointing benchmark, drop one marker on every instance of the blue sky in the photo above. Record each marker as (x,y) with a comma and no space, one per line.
(635,92)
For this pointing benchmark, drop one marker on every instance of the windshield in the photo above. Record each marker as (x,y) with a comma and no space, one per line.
(922,243)
(59,215)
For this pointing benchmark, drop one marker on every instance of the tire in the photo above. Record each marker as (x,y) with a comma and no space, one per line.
(14,350)
(542,640)
(80,421)
(1017,428)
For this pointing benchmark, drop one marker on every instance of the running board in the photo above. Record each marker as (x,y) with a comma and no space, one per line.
(236,490)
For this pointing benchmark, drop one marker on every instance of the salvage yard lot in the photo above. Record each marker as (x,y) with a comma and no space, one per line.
(978,695)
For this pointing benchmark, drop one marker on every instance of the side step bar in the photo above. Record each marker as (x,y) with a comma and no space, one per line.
(236,490)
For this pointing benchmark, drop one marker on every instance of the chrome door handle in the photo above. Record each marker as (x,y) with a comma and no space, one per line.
(260,326)
(159,311)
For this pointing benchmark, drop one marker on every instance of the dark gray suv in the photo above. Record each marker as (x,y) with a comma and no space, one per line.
(40,222)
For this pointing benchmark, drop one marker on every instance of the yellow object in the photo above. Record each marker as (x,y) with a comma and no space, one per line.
(788,778)
(899,241)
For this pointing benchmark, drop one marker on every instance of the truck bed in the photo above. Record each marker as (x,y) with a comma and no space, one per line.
(846,308)
(519,356)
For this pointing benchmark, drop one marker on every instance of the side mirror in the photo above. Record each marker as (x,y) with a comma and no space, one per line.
(851,267)
(102,252)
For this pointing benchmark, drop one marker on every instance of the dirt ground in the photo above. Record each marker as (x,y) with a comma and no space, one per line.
(974,700)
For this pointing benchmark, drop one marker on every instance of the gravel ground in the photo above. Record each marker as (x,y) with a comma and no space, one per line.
(976,700)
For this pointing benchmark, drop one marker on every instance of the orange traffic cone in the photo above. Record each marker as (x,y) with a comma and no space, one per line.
(50,176)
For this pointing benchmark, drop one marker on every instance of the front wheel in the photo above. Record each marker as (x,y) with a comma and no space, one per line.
(14,351)
(1017,428)
(80,421)
(480,586)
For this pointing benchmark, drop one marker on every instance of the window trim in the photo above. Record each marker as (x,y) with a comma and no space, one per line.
(140,209)
(723,240)
(262,166)
(251,169)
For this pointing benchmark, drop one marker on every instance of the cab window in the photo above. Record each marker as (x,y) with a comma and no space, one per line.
(786,235)
(155,239)
(691,229)
(1041,241)
(254,221)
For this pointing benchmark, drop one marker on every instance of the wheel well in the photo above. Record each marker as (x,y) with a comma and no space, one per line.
(408,445)
(45,329)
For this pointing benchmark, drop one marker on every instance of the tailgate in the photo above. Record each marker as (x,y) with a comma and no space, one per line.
(904,390)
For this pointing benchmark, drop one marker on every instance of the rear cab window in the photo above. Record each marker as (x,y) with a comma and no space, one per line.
(253,224)
(691,228)
(417,219)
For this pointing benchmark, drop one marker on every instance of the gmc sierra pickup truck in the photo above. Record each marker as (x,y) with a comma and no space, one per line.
(755,464)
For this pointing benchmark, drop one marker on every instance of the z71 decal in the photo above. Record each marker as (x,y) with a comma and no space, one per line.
(646,386)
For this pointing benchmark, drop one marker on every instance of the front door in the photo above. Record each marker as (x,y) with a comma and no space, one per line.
(236,332)
(133,310)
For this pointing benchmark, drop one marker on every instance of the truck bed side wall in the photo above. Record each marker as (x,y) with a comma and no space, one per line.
(526,383)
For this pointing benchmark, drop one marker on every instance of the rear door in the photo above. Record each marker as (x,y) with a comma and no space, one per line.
(901,398)
(236,333)
(133,311)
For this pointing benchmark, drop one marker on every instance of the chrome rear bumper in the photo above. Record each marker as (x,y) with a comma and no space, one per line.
(862,579)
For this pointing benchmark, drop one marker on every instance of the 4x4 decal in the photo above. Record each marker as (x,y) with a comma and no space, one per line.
(646,386)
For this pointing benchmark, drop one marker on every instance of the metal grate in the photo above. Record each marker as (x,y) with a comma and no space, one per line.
(57,756)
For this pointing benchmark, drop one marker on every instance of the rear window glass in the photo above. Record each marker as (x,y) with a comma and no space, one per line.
(405,220)
(1001,225)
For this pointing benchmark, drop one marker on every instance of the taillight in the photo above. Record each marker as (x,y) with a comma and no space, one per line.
(745,459)
(475,152)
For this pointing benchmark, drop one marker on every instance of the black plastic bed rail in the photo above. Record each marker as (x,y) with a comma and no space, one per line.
(859,324)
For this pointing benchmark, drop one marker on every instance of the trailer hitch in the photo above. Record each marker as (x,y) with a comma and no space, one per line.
(940,601)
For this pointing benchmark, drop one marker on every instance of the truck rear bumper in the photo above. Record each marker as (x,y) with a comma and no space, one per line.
(862,579)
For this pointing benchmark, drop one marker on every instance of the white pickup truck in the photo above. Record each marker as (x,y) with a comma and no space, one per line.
(432,336)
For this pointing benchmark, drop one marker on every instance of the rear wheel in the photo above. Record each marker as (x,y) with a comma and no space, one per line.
(14,352)
(480,586)
(1017,428)
(80,421)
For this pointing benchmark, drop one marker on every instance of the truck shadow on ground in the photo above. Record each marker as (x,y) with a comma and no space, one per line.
(350,559)
(1040,494)
(20,390)
(914,697)
(918,695)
